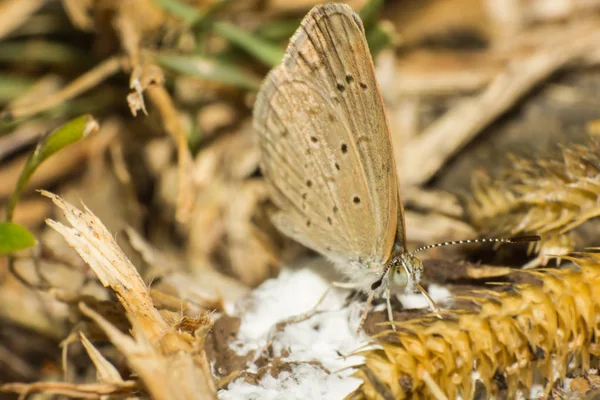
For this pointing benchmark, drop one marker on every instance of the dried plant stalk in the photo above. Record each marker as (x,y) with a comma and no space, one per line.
(545,197)
(549,328)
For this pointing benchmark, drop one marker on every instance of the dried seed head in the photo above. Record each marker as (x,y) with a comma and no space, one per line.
(546,329)
(547,197)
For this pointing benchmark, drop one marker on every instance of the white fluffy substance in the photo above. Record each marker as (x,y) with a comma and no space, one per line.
(303,382)
(324,338)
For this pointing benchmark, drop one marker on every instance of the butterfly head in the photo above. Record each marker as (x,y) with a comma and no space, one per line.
(407,271)
(403,270)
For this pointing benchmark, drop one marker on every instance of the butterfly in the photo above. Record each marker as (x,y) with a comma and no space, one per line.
(327,156)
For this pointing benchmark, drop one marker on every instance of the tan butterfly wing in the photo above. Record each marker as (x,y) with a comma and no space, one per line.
(326,147)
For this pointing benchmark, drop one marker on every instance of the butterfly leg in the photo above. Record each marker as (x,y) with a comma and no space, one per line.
(346,285)
(388,303)
(434,307)
(366,312)
(279,326)
(308,314)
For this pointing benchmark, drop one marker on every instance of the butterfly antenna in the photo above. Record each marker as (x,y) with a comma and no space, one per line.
(379,281)
(517,239)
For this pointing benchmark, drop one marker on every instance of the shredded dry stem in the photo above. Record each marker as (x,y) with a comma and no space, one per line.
(546,197)
(551,328)
(165,349)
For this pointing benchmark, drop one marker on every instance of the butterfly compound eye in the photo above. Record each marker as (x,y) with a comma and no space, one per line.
(398,276)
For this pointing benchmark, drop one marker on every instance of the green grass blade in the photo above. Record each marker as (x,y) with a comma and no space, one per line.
(14,237)
(190,15)
(262,50)
(278,30)
(209,69)
(12,86)
(187,13)
(65,135)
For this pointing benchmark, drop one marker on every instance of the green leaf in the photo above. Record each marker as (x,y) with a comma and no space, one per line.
(379,37)
(14,237)
(369,12)
(65,135)
(209,69)
(263,50)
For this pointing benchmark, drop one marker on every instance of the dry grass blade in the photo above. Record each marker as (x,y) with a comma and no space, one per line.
(13,13)
(77,12)
(548,328)
(174,127)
